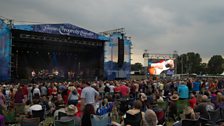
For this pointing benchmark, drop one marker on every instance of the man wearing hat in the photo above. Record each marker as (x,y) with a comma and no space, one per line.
(71,110)
(173,107)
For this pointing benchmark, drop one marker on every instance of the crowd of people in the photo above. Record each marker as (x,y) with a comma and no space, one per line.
(127,102)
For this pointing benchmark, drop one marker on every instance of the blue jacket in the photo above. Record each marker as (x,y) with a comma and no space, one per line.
(183,91)
(196,86)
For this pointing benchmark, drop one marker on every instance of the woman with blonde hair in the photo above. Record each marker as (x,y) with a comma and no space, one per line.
(219,100)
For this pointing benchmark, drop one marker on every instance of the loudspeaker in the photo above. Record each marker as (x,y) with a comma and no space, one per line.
(121,51)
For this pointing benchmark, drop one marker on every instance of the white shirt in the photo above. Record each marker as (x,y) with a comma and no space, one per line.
(89,94)
(111,88)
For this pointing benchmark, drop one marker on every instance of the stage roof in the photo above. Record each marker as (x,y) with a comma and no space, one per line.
(62,29)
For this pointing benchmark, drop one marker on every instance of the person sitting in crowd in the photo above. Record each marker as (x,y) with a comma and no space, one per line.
(104,107)
(219,103)
(36,106)
(134,116)
(87,112)
(27,107)
(192,101)
(60,108)
(188,114)
(150,118)
(204,107)
(71,110)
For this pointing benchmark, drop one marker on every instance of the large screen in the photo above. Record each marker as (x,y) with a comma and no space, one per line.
(5,51)
(156,68)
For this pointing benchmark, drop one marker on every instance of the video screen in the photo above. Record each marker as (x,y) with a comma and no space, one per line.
(156,67)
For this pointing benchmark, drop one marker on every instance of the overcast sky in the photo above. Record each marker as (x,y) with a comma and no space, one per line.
(161,26)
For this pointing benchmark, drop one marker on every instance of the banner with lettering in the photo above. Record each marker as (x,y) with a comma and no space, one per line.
(60,29)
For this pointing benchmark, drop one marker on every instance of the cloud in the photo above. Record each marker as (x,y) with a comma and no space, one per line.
(157,25)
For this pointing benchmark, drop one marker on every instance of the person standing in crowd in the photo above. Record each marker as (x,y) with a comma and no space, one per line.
(189,84)
(43,90)
(19,97)
(30,95)
(89,94)
(173,107)
(183,91)
(36,91)
(73,97)
(197,86)
(11,97)
(111,88)
(25,92)
(220,84)
(124,90)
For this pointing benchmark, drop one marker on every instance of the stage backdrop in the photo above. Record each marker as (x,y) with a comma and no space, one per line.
(5,52)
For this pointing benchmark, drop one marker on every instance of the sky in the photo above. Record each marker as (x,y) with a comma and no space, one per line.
(160,26)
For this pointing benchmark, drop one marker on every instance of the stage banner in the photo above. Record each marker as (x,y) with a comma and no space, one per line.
(61,29)
(5,52)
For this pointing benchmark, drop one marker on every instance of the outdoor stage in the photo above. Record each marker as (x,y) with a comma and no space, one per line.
(62,52)
(42,55)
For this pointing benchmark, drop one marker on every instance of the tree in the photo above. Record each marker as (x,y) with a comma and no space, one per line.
(136,67)
(215,64)
(203,68)
(189,63)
